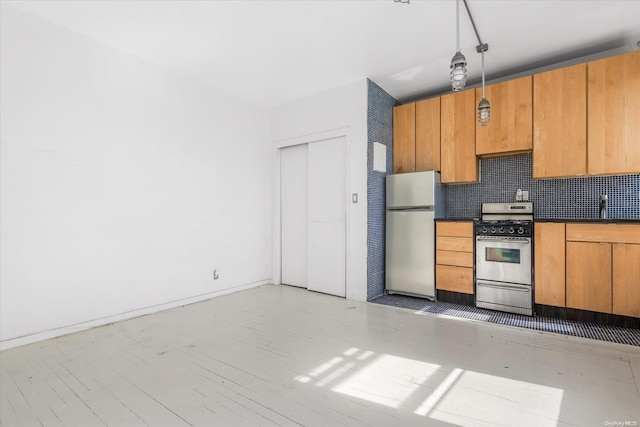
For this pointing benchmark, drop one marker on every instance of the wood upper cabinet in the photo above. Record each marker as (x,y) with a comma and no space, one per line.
(560,122)
(416,136)
(458,161)
(614,114)
(404,138)
(550,264)
(510,130)
(428,135)
(626,280)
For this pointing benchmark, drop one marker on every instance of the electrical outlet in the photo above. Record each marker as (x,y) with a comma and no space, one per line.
(216,274)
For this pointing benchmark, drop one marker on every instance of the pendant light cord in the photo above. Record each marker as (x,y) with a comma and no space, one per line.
(482,54)
(473,24)
(458,25)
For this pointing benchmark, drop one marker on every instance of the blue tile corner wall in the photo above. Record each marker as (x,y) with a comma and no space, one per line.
(379,129)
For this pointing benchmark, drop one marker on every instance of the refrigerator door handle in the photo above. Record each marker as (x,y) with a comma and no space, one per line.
(412,208)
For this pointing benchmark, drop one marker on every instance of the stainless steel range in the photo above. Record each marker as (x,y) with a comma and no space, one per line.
(504,248)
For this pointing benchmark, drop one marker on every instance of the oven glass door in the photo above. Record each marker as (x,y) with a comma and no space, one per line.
(503,259)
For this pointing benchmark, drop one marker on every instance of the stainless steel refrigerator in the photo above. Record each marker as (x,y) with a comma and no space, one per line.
(413,202)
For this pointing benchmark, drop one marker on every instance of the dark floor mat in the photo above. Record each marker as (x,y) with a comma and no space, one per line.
(577,329)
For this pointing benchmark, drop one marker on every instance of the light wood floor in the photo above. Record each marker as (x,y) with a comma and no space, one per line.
(278,355)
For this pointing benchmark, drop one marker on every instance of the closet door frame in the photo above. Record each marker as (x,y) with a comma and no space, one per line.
(277,217)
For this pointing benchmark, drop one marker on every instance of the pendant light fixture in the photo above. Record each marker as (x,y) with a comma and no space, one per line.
(458,62)
(484,108)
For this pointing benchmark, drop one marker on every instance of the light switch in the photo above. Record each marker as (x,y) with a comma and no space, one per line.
(354,198)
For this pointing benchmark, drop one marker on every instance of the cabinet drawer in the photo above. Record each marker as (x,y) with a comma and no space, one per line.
(455,279)
(459,229)
(462,259)
(609,233)
(458,244)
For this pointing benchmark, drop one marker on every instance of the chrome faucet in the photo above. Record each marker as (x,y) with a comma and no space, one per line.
(603,206)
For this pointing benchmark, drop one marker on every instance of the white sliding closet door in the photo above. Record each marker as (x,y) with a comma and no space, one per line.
(293,208)
(326,246)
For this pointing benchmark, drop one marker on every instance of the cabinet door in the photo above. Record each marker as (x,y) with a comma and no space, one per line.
(458,159)
(560,122)
(404,138)
(613,115)
(626,280)
(428,135)
(550,264)
(589,276)
(510,129)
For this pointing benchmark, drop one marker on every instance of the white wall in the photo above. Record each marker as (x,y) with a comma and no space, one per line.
(341,111)
(122,185)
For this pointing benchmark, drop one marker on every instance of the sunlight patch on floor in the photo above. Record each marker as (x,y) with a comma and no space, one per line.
(439,392)
(495,400)
(462,397)
(387,380)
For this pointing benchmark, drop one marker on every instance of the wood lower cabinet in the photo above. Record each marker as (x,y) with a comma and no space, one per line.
(510,128)
(549,264)
(458,161)
(404,138)
(589,276)
(603,268)
(626,280)
(454,256)
(560,122)
(613,115)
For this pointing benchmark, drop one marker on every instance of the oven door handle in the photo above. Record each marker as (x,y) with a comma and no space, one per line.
(520,288)
(498,239)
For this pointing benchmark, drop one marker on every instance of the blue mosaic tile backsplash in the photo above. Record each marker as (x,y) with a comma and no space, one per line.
(570,198)
(379,129)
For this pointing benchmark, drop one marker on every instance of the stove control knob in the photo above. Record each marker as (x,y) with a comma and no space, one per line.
(501,230)
(512,230)
(520,230)
(493,230)
(484,230)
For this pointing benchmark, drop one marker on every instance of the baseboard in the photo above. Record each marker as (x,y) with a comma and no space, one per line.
(78,327)
(587,316)
(456,298)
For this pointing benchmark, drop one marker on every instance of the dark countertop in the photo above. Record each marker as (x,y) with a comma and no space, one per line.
(591,220)
(588,220)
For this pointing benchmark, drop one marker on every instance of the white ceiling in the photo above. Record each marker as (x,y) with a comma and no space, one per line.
(274,52)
